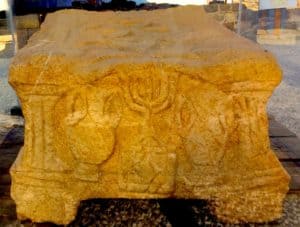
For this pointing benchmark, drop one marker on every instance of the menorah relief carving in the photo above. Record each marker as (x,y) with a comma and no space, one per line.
(148,160)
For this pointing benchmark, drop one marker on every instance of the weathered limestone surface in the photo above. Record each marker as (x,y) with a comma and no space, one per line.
(153,104)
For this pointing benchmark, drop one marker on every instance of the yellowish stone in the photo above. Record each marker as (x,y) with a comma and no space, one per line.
(145,104)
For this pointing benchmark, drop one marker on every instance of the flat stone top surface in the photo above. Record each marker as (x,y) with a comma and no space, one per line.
(77,42)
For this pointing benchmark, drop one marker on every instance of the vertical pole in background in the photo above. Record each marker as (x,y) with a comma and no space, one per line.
(15,110)
(239,17)
(11,24)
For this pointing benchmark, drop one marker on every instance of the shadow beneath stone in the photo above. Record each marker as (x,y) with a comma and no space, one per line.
(187,212)
(140,212)
(120,212)
(14,136)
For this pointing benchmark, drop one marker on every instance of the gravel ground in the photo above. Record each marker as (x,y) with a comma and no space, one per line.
(284,104)
(8,98)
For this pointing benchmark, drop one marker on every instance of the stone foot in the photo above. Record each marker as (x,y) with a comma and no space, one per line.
(254,206)
(41,205)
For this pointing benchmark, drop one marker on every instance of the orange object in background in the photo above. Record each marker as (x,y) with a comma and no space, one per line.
(277,21)
(94,2)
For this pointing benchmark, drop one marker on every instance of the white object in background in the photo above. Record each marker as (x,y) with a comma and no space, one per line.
(275,4)
(3,5)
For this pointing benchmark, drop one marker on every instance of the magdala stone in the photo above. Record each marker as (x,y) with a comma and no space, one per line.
(145,104)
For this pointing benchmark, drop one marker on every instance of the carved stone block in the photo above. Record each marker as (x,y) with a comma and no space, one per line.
(145,104)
